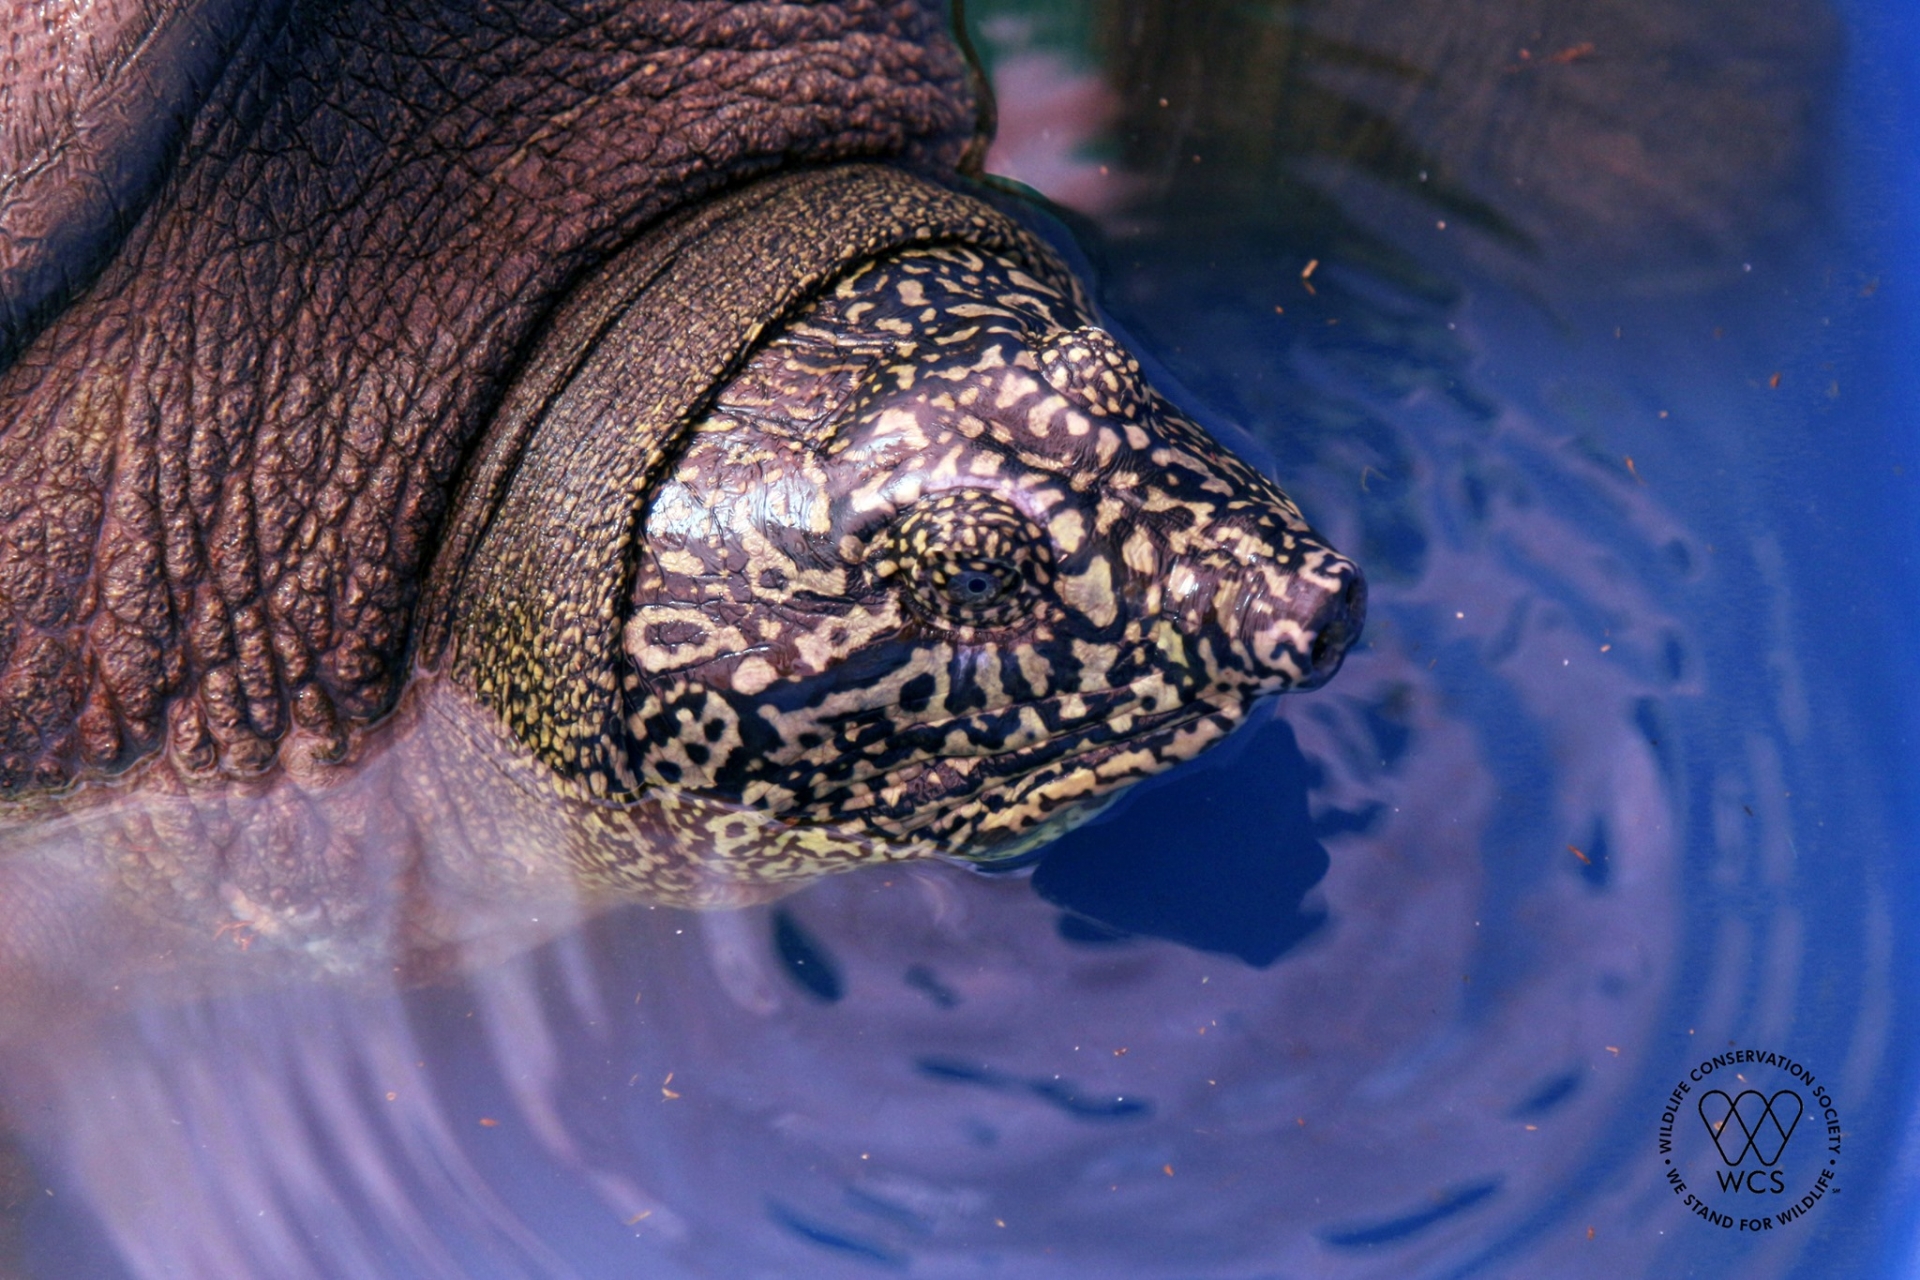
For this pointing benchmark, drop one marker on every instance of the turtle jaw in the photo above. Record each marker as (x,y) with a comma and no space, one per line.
(990,809)
(1045,803)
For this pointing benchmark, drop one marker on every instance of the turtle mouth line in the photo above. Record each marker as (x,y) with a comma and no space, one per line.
(913,790)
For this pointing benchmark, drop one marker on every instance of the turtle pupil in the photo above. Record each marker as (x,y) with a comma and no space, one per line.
(979,586)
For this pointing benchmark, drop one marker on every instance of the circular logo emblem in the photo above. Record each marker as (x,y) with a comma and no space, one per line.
(1750,1140)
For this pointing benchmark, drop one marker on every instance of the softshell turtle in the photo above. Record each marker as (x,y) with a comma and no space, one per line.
(618,427)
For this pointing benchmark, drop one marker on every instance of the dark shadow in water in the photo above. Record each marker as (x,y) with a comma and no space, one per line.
(1393,1230)
(924,980)
(1551,1093)
(1062,1094)
(806,959)
(1217,859)
(834,1240)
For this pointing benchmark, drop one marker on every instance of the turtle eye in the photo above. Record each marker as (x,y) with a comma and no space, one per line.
(967,559)
(976,584)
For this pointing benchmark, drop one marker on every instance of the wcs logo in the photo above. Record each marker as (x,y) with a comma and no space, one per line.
(1751,1123)
(1751,1127)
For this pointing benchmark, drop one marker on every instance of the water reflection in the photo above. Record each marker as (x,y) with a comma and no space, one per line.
(1395,987)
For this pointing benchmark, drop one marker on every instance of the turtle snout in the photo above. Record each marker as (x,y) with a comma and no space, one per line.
(1336,623)
(1297,627)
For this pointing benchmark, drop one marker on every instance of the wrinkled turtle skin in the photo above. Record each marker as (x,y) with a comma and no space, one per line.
(556,412)
(234,414)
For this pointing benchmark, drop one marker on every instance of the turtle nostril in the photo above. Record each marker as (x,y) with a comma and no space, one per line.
(1328,646)
(1336,625)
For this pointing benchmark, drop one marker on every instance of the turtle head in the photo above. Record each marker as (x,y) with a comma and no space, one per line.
(827,526)
(940,567)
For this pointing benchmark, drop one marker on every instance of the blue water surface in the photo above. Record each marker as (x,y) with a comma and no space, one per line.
(1395,984)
